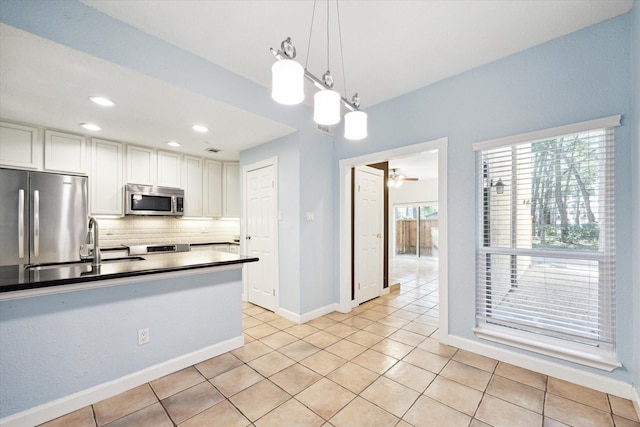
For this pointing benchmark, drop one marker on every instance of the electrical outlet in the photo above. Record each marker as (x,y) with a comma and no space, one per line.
(143,336)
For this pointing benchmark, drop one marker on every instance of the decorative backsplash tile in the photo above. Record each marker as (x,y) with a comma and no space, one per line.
(153,230)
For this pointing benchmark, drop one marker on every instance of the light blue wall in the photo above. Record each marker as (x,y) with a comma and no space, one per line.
(57,345)
(317,237)
(635,13)
(582,76)
(305,186)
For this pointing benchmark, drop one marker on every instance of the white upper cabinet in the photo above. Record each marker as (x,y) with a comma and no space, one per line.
(20,146)
(212,188)
(141,165)
(65,152)
(231,190)
(106,179)
(169,169)
(192,182)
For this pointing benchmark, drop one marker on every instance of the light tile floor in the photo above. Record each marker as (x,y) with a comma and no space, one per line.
(379,365)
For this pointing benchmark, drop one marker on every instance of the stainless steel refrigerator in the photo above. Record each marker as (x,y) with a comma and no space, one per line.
(43,217)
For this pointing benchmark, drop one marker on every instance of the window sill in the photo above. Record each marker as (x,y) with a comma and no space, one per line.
(596,358)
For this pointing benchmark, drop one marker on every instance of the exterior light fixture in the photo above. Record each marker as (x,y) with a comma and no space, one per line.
(91,127)
(499,186)
(288,87)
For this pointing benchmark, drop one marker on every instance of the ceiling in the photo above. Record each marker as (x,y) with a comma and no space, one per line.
(49,84)
(389,48)
(423,166)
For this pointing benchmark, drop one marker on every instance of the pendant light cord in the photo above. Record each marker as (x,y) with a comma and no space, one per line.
(344,73)
(313,15)
(328,67)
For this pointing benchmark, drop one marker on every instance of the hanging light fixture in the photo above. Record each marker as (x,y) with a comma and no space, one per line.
(287,87)
(326,104)
(355,122)
(287,84)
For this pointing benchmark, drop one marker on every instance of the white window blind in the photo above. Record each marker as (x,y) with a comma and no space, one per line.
(546,253)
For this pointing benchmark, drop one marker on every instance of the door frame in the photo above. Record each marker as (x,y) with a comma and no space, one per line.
(377,172)
(345,165)
(272,161)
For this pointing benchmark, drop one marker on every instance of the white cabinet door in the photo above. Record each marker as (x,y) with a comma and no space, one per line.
(231,190)
(20,146)
(168,169)
(106,192)
(141,165)
(65,152)
(212,188)
(192,182)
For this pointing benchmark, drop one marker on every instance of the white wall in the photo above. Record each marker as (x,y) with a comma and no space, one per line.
(412,192)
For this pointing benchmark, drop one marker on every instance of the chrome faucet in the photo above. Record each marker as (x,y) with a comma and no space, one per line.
(93,225)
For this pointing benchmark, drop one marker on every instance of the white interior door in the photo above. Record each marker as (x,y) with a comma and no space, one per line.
(261,235)
(368,229)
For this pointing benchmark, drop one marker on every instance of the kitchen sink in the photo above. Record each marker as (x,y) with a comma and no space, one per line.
(49,265)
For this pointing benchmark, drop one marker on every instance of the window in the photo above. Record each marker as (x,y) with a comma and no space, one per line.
(546,253)
(416,230)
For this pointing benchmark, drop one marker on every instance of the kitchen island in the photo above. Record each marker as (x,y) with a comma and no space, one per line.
(69,335)
(45,278)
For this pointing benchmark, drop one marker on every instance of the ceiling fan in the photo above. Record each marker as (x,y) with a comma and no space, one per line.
(396,179)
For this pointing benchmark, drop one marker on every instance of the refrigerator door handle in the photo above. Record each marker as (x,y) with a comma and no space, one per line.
(36,223)
(21,223)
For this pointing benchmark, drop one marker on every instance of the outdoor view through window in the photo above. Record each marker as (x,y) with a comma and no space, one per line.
(546,252)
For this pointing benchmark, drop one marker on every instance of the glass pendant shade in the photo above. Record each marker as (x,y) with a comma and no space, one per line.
(287,82)
(355,125)
(326,107)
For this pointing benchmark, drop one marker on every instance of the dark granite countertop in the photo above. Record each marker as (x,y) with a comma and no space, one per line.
(215,243)
(18,278)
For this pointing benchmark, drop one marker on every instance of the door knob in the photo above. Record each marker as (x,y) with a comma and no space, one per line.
(248,237)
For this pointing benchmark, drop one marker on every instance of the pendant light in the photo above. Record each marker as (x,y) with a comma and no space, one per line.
(287,77)
(355,122)
(288,81)
(326,103)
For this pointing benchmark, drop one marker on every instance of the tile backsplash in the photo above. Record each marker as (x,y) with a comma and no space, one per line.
(154,230)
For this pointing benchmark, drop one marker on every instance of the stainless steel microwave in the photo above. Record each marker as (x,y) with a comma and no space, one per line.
(148,200)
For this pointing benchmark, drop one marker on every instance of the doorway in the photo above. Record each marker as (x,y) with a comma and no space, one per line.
(345,301)
(368,233)
(261,233)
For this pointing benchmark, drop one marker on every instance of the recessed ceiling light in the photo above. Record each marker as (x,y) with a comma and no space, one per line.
(90,126)
(200,128)
(174,144)
(102,101)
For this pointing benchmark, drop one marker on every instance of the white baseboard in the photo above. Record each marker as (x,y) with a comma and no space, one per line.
(636,401)
(310,315)
(557,370)
(73,402)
